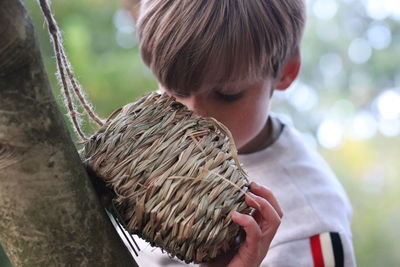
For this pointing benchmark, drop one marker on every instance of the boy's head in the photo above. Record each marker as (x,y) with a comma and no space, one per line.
(223,58)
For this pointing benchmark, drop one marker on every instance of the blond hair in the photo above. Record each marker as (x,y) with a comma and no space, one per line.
(189,44)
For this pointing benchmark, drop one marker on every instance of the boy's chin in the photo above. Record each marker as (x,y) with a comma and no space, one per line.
(259,142)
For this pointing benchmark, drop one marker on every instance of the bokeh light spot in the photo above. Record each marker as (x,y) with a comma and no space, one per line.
(381,9)
(325,9)
(302,97)
(379,36)
(330,65)
(359,51)
(123,21)
(330,133)
(389,128)
(125,40)
(388,104)
(364,125)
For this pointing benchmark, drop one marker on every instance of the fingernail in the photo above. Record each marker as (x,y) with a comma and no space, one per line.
(254,185)
(235,215)
(251,197)
(251,194)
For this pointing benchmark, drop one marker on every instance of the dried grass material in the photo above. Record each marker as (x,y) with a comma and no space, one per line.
(175,176)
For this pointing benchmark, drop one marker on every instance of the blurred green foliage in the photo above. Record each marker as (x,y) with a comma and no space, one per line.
(346,67)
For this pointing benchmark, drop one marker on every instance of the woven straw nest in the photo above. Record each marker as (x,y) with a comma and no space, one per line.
(175,176)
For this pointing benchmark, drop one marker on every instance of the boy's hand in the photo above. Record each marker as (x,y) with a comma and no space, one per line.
(260,229)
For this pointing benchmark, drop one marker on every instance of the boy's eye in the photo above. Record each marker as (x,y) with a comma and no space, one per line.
(178,95)
(228,97)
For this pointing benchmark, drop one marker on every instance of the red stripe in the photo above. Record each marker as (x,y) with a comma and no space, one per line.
(316,250)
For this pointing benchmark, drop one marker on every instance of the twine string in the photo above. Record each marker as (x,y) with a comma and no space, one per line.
(66,76)
(79,91)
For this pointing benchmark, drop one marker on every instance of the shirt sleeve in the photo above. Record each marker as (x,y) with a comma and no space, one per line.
(327,249)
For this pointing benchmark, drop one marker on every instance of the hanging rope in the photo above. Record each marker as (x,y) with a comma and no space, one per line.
(70,86)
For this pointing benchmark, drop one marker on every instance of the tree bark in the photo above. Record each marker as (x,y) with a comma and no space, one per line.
(49,213)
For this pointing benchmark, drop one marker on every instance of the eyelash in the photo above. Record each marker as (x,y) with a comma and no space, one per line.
(228,98)
(178,95)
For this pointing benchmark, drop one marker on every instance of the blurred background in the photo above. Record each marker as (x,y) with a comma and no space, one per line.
(346,102)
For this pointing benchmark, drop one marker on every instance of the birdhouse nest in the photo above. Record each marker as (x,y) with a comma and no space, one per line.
(175,176)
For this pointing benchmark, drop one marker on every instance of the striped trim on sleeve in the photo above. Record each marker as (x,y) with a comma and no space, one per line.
(327,250)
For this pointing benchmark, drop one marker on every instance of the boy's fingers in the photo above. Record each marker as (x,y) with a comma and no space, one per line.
(267,194)
(250,226)
(257,240)
(252,201)
(268,213)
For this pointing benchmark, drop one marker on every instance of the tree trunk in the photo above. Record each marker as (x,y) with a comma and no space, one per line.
(49,213)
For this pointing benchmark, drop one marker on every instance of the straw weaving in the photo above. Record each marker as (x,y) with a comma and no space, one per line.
(175,176)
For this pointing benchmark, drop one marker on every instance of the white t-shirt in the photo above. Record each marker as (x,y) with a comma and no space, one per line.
(315,229)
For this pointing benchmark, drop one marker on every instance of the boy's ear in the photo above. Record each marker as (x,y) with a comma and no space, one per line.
(289,72)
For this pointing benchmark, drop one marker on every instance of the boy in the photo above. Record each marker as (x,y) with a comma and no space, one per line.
(224,59)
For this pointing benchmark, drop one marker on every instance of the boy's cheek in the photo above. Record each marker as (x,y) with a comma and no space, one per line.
(246,128)
(247,121)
